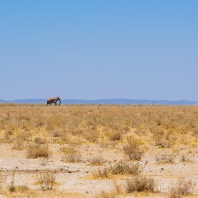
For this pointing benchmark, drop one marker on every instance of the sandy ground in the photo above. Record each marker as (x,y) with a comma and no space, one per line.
(76,178)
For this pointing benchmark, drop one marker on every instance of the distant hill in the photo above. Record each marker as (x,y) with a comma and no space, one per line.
(106,101)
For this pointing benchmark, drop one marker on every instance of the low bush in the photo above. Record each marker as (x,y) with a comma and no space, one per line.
(22,189)
(165,158)
(101,173)
(115,136)
(133,151)
(140,184)
(120,168)
(96,161)
(73,158)
(46,180)
(125,169)
(38,150)
(68,150)
(39,140)
(106,195)
(182,188)
(163,139)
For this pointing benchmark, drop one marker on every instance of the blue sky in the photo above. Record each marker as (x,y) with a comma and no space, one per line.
(99,49)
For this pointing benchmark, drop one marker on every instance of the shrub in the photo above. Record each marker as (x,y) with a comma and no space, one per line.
(38,150)
(22,189)
(20,140)
(124,169)
(74,158)
(68,150)
(18,144)
(46,180)
(185,158)
(7,135)
(101,173)
(39,140)
(162,138)
(96,161)
(91,135)
(182,188)
(133,151)
(115,136)
(165,158)
(106,195)
(56,133)
(140,184)
(12,186)
(117,169)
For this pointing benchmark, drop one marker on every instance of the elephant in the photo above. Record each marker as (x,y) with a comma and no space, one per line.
(54,101)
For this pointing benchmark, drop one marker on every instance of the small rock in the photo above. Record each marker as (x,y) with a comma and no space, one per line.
(162,168)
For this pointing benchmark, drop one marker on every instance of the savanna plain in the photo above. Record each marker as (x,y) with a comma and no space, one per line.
(99,151)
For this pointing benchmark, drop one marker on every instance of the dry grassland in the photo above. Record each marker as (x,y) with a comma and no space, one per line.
(101,151)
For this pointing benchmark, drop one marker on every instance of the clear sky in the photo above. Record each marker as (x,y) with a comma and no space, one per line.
(99,49)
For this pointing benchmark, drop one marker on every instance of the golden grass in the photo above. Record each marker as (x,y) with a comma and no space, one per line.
(129,129)
(164,126)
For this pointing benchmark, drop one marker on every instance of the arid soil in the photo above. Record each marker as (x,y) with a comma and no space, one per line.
(76,180)
(70,166)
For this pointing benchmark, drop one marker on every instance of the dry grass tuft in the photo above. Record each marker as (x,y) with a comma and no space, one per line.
(182,188)
(141,184)
(106,195)
(46,180)
(72,158)
(70,154)
(165,158)
(133,151)
(96,161)
(122,168)
(39,140)
(22,189)
(91,136)
(185,158)
(163,138)
(68,149)
(20,140)
(101,173)
(8,136)
(38,150)
(115,136)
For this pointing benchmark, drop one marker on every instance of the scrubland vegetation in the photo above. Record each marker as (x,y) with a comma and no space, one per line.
(113,142)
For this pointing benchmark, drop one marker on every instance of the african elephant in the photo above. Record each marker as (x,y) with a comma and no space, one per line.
(54,101)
